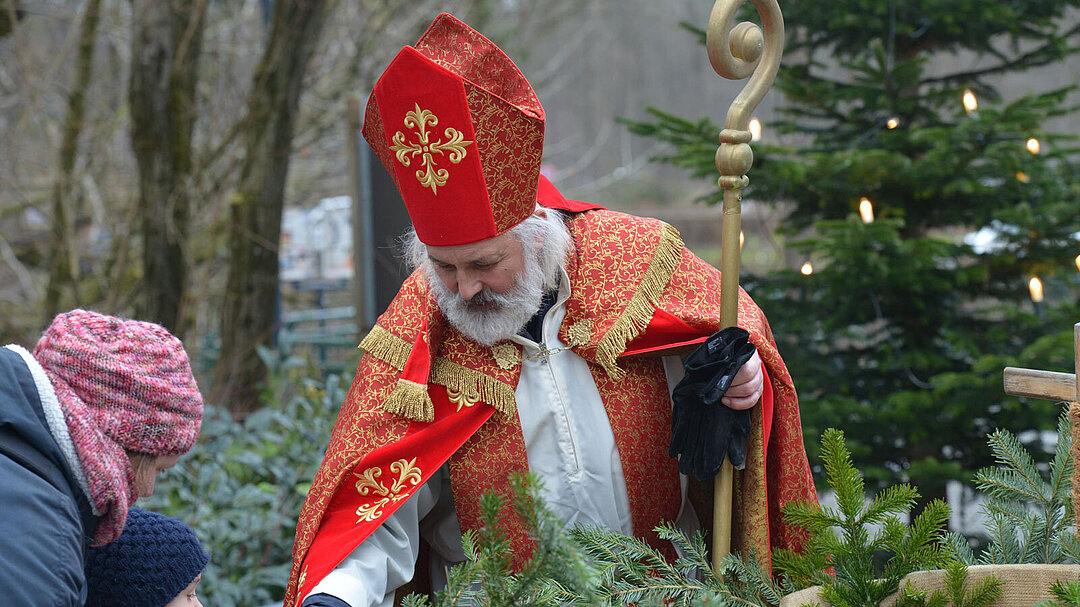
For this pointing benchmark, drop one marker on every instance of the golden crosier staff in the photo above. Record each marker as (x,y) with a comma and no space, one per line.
(736,53)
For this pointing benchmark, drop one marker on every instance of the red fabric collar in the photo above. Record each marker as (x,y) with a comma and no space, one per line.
(548,196)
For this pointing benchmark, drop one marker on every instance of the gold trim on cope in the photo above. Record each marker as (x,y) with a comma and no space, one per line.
(410,399)
(455,148)
(492,391)
(409,476)
(387,347)
(639,311)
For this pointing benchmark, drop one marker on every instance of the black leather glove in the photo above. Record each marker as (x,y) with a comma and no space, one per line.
(703,429)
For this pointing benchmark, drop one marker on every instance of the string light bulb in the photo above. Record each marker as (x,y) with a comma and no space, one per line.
(1022,177)
(1033,145)
(866,210)
(755,129)
(742,239)
(1036,288)
(807,269)
(970,102)
(892,123)
(1078,263)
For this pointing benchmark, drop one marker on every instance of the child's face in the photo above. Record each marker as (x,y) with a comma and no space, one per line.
(187,597)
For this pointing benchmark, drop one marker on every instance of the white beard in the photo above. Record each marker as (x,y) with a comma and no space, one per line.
(491,317)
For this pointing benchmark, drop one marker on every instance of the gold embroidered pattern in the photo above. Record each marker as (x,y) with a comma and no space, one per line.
(303,576)
(580,333)
(465,397)
(429,176)
(510,144)
(409,476)
(507,356)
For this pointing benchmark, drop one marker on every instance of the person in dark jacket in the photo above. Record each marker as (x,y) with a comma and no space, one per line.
(87,421)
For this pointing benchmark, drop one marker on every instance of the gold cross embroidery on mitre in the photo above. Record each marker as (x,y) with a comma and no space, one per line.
(429,176)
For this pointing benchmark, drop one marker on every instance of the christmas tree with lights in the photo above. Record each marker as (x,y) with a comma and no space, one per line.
(938,223)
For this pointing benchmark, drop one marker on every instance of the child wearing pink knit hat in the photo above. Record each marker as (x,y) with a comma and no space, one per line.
(86,423)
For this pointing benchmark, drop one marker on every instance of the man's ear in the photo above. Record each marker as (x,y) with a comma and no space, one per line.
(542,213)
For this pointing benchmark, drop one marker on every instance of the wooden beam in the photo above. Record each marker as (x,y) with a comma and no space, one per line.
(1041,384)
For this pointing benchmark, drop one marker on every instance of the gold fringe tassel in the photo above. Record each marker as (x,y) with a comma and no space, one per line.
(387,347)
(639,311)
(492,391)
(410,399)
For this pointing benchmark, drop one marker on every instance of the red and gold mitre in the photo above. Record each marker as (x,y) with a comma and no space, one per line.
(461,132)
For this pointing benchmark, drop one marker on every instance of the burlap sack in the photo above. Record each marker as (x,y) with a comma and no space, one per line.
(1024,585)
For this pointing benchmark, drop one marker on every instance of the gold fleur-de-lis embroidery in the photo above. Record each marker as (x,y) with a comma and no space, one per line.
(429,176)
(465,397)
(409,476)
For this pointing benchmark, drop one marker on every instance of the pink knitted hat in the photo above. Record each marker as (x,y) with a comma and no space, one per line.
(123,385)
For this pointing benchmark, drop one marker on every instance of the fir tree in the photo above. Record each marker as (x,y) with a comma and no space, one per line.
(900,334)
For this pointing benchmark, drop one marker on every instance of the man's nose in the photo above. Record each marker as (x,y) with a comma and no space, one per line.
(468,287)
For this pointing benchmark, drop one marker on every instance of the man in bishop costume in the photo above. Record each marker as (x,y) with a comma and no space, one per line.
(530,337)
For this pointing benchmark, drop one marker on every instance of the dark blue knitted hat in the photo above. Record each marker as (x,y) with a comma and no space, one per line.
(153,560)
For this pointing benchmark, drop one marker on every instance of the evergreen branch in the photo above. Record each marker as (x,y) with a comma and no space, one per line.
(811,516)
(1036,57)
(926,530)
(753,577)
(1012,515)
(1039,546)
(891,501)
(1061,468)
(913,596)
(982,593)
(986,591)
(842,475)
(1004,545)
(805,569)
(1067,594)
(697,555)
(958,547)
(1069,544)
(1017,464)
(1007,484)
